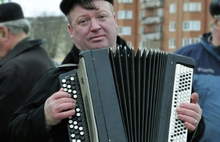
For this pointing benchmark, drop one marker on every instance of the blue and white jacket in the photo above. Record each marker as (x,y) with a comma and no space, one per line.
(206,83)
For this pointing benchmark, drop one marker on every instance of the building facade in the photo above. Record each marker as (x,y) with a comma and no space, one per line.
(128,20)
(162,24)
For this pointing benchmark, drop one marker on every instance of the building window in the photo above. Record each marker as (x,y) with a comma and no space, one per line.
(124,30)
(160,12)
(152,29)
(153,12)
(191,25)
(172,43)
(142,30)
(172,26)
(142,45)
(159,28)
(192,6)
(124,14)
(143,14)
(173,8)
(129,43)
(187,41)
(125,1)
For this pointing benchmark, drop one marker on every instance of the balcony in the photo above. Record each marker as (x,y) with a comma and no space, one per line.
(152,20)
(152,4)
(152,36)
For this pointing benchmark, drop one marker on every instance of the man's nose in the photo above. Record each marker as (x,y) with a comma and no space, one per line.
(95,25)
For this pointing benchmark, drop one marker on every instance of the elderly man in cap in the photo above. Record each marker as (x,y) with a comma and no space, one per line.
(22,62)
(207,73)
(44,116)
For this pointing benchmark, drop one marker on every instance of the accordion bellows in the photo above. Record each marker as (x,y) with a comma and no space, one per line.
(127,97)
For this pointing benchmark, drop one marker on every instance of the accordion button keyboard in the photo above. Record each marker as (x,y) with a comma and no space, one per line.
(182,92)
(77,125)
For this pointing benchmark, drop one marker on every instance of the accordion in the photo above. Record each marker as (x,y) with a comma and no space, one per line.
(127,96)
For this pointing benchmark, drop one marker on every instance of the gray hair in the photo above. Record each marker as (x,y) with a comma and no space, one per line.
(18,26)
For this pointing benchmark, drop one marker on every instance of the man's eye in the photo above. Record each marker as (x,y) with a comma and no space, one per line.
(102,16)
(82,21)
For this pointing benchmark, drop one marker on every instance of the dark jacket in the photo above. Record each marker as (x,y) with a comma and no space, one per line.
(19,71)
(29,125)
(73,55)
(28,122)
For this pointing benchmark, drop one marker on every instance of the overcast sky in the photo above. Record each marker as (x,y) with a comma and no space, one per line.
(33,8)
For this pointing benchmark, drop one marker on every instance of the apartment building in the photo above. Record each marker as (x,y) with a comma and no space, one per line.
(128,15)
(184,22)
(162,24)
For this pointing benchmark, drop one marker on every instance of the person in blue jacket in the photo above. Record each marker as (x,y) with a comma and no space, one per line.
(206,54)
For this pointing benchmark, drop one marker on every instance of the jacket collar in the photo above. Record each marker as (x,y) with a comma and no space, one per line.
(73,55)
(214,50)
(22,46)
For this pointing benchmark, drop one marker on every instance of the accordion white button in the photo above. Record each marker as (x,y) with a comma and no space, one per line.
(72,135)
(64,80)
(81,133)
(69,90)
(71,126)
(71,78)
(70,121)
(75,122)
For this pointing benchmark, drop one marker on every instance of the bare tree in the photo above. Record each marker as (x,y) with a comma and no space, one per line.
(52,28)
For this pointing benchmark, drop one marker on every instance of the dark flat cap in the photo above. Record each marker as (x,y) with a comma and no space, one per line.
(66,5)
(10,11)
(214,7)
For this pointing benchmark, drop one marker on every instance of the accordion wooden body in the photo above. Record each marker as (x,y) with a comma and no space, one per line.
(128,97)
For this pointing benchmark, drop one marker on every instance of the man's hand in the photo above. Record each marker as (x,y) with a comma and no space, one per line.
(58,107)
(190,113)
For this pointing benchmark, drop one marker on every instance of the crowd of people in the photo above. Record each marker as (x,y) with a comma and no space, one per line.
(34,107)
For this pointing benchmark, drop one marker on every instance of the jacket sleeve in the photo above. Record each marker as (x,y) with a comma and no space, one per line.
(198,133)
(28,127)
(27,124)
(12,93)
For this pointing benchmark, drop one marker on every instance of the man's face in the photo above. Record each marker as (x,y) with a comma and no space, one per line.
(3,50)
(93,29)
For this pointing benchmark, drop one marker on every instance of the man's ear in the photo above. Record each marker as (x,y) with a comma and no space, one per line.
(4,32)
(216,23)
(115,19)
(70,29)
